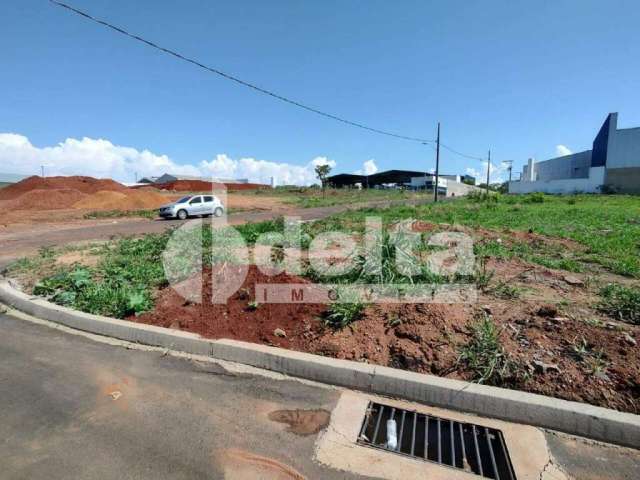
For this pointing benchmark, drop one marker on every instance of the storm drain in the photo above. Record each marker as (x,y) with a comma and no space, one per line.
(472,448)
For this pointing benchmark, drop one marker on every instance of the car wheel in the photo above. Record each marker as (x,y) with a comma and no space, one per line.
(182,214)
(217,212)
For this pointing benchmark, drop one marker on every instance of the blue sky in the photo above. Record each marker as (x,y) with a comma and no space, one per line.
(517,77)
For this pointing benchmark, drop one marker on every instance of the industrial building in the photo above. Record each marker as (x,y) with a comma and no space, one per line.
(449,185)
(612,165)
(168,178)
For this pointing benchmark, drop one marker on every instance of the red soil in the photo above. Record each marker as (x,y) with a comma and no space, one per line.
(427,338)
(45,199)
(127,200)
(236,319)
(82,184)
(56,193)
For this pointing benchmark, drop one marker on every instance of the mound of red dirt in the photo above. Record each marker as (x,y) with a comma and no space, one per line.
(126,200)
(82,184)
(40,199)
(201,186)
(236,319)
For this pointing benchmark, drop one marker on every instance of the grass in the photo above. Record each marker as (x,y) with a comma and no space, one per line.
(129,270)
(98,214)
(121,284)
(621,303)
(484,354)
(583,352)
(347,310)
(506,291)
(309,197)
(607,226)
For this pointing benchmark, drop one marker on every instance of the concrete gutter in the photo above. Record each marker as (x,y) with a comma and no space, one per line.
(571,417)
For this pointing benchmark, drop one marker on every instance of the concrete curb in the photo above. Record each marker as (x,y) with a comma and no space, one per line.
(511,405)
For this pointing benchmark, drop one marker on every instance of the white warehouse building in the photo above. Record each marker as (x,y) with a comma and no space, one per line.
(613,165)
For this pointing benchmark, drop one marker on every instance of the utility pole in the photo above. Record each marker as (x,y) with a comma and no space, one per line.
(488,171)
(435,187)
(509,167)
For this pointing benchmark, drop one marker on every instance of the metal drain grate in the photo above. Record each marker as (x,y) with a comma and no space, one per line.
(472,448)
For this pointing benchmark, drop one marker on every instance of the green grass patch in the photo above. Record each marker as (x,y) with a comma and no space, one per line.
(484,354)
(98,214)
(608,226)
(121,284)
(309,197)
(620,302)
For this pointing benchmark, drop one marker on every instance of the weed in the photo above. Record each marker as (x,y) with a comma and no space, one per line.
(77,288)
(483,276)
(593,322)
(251,231)
(46,252)
(582,222)
(597,364)
(506,291)
(484,354)
(537,197)
(120,213)
(253,305)
(345,311)
(119,286)
(581,349)
(621,302)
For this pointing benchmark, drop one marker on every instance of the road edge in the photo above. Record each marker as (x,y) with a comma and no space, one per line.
(570,417)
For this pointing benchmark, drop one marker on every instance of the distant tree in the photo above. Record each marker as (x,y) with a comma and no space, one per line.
(322,172)
(502,187)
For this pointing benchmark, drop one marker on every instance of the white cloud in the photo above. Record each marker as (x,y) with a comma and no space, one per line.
(561,151)
(97,158)
(101,158)
(496,173)
(473,172)
(261,171)
(368,168)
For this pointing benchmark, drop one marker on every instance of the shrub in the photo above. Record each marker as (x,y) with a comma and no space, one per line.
(621,302)
(537,197)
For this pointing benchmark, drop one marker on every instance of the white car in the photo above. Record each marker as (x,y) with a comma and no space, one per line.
(192,205)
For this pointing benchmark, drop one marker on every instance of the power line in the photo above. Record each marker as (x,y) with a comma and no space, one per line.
(235,79)
(462,154)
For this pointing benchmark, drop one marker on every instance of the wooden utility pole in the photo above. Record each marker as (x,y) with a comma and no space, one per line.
(488,171)
(435,186)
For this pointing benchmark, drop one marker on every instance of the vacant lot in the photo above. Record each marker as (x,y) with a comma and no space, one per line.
(309,197)
(558,282)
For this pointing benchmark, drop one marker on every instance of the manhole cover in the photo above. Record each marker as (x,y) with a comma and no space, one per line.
(465,446)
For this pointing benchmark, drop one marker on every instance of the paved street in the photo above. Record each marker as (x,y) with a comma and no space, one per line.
(73,407)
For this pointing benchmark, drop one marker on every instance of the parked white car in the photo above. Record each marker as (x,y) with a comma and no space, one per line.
(193,205)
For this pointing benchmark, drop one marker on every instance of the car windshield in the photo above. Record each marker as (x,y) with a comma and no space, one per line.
(184,199)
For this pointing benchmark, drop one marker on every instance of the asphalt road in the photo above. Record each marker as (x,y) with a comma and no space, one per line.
(72,407)
(75,408)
